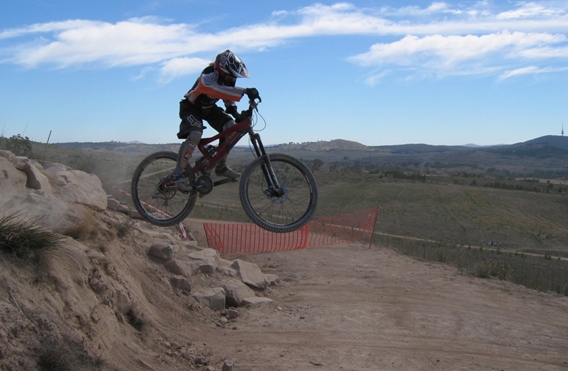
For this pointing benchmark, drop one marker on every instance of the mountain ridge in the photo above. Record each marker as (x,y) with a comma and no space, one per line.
(555,141)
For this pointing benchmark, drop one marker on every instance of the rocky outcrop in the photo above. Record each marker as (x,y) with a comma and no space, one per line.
(60,198)
(49,194)
(237,289)
(112,284)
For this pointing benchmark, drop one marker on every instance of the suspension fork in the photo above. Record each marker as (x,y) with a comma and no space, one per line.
(274,187)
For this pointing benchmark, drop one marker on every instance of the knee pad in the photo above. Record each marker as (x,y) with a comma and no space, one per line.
(187,147)
(194,137)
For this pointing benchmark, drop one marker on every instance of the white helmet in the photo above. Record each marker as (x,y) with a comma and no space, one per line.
(229,67)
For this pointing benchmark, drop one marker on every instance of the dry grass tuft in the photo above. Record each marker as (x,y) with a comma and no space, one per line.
(25,240)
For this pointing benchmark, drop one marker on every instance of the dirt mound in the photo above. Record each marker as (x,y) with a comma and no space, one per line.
(103,303)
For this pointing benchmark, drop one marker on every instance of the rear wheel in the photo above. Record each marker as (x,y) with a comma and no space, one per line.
(283,209)
(157,199)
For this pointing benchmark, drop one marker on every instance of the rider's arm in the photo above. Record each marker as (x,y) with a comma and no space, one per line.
(208,86)
(231,108)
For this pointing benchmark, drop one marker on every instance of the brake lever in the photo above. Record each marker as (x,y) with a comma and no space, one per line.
(254,103)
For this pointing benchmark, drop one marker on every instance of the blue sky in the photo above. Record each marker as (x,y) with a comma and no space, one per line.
(376,72)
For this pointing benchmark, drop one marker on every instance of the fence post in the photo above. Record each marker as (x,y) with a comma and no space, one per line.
(374,226)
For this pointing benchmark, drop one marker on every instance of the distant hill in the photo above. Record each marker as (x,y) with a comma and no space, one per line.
(545,155)
(323,145)
(550,140)
(555,141)
(133,148)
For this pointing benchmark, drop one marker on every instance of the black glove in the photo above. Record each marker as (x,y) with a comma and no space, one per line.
(252,93)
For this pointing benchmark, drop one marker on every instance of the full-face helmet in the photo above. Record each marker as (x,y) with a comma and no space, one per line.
(229,67)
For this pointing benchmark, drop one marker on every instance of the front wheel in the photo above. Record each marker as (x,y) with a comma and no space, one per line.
(282,207)
(156,198)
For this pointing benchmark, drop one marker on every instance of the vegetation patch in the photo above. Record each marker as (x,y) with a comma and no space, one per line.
(542,273)
(23,239)
(67,355)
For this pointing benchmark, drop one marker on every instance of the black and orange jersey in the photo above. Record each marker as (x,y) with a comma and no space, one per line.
(207,91)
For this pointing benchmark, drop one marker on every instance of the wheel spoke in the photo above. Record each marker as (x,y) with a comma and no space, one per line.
(287,208)
(156,201)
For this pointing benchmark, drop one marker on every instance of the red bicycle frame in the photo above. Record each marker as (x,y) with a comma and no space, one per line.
(239,130)
(232,136)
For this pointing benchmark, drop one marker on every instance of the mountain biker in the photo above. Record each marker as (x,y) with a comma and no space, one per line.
(217,81)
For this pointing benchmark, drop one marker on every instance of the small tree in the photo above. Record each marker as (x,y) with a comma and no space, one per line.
(316,164)
(21,146)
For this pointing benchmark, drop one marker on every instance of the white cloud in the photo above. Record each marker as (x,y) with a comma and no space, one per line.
(45,28)
(416,11)
(439,36)
(518,72)
(530,10)
(131,42)
(545,52)
(178,67)
(530,70)
(447,51)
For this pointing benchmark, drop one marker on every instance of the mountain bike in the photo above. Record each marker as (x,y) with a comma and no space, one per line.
(278,192)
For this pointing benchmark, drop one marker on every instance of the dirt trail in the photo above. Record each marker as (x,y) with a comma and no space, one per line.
(350,308)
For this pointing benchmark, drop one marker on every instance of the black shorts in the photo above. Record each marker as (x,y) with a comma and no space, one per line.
(192,118)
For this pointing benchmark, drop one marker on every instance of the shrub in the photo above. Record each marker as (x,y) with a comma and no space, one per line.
(67,355)
(23,239)
(19,145)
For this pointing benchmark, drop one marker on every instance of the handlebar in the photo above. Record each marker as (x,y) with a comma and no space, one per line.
(253,103)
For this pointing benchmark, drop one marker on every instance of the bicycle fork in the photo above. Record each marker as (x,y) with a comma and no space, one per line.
(274,189)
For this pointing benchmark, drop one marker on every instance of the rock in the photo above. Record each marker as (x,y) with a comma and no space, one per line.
(272,279)
(232,313)
(250,274)
(181,283)
(161,250)
(227,271)
(36,180)
(213,298)
(236,292)
(75,186)
(12,180)
(227,366)
(122,302)
(124,209)
(225,268)
(256,300)
(201,361)
(208,260)
(181,268)
(52,195)
(113,204)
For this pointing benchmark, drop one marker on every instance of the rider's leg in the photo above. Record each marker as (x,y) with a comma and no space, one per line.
(222,169)
(221,121)
(190,129)
(186,151)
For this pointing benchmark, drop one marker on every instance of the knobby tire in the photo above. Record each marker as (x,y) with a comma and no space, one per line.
(282,213)
(161,208)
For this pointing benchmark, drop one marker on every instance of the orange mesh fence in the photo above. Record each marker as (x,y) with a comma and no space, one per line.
(232,238)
